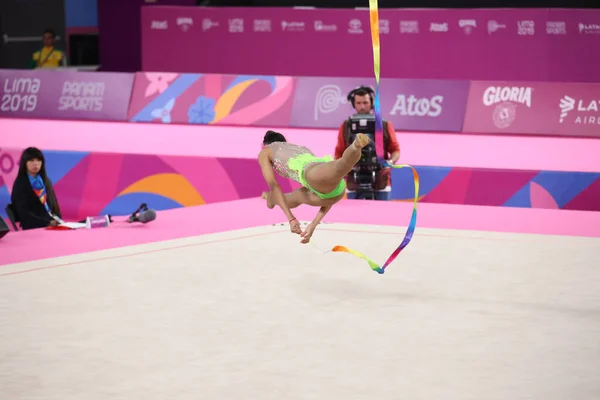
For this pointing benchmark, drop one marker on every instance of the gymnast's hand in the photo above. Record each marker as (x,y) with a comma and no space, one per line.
(295,226)
(307,234)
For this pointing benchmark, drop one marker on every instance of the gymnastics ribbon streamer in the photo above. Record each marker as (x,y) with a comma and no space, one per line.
(374,17)
(407,237)
(379,148)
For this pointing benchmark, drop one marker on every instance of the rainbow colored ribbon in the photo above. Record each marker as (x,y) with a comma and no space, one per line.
(379,148)
(407,237)
(374,16)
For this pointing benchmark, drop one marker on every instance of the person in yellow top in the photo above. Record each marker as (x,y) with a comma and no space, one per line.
(49,56)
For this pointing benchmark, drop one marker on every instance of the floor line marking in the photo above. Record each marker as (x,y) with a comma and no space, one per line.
(451,236)
(134,254)
(326,229)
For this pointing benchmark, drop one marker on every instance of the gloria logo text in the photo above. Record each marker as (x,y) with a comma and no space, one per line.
(413,106)
(586,110)
(495,94)
(20,94)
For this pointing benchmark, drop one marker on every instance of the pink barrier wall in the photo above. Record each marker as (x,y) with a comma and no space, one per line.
(116,166)
(473,44)
(90,183)
(446,150)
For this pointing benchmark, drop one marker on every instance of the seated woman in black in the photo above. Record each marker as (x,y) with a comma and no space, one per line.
(33,195)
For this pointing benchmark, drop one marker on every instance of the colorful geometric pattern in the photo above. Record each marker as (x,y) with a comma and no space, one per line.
(502,188)
(89,184)
(212,99)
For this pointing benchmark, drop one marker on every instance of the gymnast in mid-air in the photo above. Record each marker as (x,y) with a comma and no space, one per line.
(322,179)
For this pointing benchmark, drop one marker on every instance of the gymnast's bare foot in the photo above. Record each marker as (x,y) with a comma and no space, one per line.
(361,140)
(265,196)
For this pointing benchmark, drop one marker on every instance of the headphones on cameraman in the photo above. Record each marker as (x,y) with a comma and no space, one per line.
(367,89)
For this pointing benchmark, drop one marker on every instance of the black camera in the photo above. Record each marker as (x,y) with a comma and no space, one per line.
(364,173)
(365,124)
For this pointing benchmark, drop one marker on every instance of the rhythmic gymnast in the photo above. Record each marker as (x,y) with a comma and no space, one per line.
(322,179)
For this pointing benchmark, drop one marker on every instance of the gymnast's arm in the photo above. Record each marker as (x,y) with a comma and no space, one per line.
(267,170)
(307,234)
(321,214)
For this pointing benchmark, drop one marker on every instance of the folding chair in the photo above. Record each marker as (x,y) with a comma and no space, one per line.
(12,216)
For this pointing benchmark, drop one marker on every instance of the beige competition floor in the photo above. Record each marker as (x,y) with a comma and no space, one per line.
(459,315)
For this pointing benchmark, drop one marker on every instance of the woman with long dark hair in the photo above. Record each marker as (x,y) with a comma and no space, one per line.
(33,196)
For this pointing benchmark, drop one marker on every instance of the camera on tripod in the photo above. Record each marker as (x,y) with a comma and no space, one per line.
(364,173)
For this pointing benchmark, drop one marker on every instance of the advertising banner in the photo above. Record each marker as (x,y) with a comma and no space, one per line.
(212,99)
(494,107)
(457,44)
(65,94)
(306,102)
(409,104)
(538,108)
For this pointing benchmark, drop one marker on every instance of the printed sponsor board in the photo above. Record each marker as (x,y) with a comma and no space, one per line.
(307,102)
(521,108)
(418,105)
(65,94)
(478,44)
(544,108)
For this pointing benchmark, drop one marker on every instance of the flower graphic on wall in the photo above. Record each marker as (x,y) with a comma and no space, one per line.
(164,113)
(202,111)
(158,82)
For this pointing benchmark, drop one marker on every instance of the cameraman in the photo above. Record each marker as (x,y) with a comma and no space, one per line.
(362,99)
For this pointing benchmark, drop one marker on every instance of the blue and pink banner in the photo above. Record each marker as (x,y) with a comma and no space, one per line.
(427,105)
(550,45)
(167,182)
(308,102)
(212,99)
(65,94)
